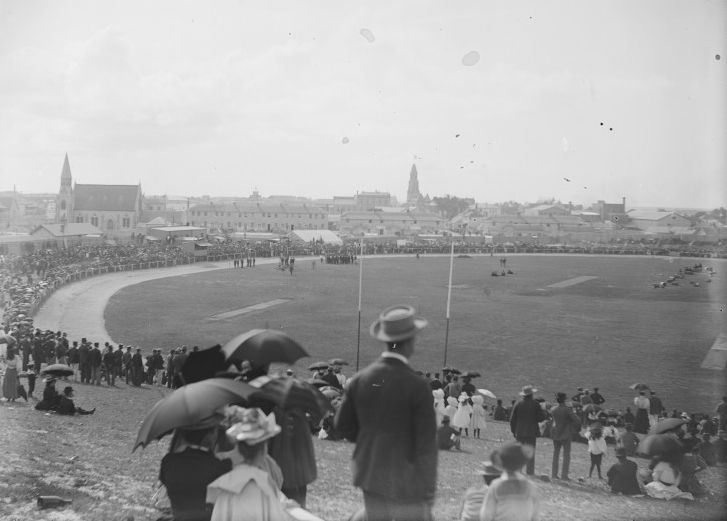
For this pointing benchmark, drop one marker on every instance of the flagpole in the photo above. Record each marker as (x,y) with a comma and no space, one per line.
(360,287)
(449,299)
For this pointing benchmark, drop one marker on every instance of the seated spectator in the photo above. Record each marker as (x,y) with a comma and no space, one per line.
(447,437)
(691,464)
(499,413)
(665,478)
(628,440)
(720,447)
(512,495)
(66,405)
(250,490)
(706,450)
(475,496)
(51,398)
(622,475)
(186,472)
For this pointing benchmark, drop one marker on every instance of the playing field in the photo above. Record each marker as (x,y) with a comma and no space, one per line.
(559,322)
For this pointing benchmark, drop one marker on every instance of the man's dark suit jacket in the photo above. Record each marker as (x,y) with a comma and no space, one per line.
(565,423)
(388,412)
(525,417)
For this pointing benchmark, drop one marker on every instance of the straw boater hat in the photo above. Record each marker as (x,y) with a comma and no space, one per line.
(528,390)
(488,469)
(252,426)
(512,456)
(396,323)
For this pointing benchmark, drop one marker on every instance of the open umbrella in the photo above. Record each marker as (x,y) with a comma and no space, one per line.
(317,382)
(190,405)
(667,424)
(471,374)
(485,392)
(290,392)
(639,387)
(58,370)
(318,365)
(337,361)
(262,347)
(203,364)
(654,444)
(451,370)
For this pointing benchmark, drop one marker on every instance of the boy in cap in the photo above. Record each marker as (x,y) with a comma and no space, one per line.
(475,496)
(447,437)
(512,495)
(622,475)
(387,411)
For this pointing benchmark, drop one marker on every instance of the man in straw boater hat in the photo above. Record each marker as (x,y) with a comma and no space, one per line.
(524,420)
(387,411)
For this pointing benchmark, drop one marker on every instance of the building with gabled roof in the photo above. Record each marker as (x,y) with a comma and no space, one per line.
(113,209)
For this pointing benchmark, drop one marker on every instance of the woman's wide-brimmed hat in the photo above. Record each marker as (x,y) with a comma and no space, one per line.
(251,426)
(397,323)
(512,456)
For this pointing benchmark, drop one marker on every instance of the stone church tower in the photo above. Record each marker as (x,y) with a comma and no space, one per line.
(64,199)
(413,196)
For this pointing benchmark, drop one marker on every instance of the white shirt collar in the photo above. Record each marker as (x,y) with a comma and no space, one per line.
(397,356)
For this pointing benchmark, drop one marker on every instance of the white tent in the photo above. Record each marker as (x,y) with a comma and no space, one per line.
(306,236)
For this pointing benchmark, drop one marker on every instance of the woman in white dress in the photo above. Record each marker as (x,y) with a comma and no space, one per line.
(461,419)
(439,408)
(250,491)
(479,415)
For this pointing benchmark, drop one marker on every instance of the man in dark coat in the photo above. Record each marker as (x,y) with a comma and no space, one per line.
(95,360)
(137,368)
(331,378)
(524,420)
(84,361)
(565,422)
(387,411)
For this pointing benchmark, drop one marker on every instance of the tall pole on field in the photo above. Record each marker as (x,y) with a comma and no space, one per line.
(360,288)
(449,299)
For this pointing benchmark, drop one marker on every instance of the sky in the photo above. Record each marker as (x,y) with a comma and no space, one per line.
(496,100)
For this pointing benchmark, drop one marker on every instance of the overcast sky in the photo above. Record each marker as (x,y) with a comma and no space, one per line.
(321,98)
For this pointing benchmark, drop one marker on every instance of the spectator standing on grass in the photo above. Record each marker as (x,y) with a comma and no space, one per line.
(128,374)
(137,368)
(95,359)
(565,423)
(628,440)
(655,408)
(641,402)
(454,388)
(524,420)
(387,411)
(596,449)
(109,363)
(499,413)
(722,413)
(119,361)
(73,359)
(511,497)
(188,469)
(597,398)
(475,496)
(10,378)
(177,363)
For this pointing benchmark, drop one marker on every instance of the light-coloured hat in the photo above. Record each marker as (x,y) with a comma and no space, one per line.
(251,425)
(397,323)
(528,390)
(488,469)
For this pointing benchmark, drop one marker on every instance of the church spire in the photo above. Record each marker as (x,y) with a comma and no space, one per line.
(66,179)
(413,196)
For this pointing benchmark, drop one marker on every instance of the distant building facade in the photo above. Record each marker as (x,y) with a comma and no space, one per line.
(113,209)
(399,223)
(258,217)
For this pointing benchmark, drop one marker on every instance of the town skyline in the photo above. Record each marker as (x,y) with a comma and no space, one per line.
(498,102)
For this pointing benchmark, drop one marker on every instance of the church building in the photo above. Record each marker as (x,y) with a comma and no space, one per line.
(114,209)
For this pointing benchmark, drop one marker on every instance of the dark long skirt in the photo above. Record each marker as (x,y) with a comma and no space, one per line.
(641,425)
